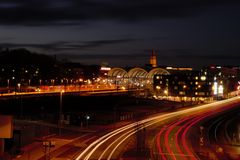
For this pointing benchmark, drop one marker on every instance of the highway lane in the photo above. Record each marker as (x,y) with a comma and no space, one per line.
(111,145)
(168,140)
(221,130)
(220,136)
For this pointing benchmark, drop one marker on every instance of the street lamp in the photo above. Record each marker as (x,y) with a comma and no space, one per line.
(8,81)
(87,119)
(8,85)
(19,87)
(21,107)
(60,113)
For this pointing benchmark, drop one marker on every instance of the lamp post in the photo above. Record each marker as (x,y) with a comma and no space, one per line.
(8,82)
(19,87)
(60,113)
(8,85)
(87,119)
(21,107)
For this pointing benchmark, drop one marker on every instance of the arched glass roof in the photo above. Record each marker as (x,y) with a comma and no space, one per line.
(115,72)
(157,71)
(136,72)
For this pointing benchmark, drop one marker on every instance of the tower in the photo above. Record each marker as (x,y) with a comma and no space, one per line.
(153,59)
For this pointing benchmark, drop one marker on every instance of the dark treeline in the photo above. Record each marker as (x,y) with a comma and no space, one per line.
(26,67)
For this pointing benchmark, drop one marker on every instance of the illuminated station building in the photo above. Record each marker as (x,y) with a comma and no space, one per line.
(185,84)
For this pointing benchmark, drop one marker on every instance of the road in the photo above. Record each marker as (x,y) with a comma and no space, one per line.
(82,90)
(222,136)
(171,141)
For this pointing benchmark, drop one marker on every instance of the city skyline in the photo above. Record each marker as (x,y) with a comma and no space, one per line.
(123,33)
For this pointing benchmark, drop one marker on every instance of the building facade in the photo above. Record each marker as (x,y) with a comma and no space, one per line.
(185,85)
(216,82)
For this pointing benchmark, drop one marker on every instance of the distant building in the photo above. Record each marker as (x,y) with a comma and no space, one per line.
(191,85)
(104,71)
(178,69)
(225,79)
(214,81)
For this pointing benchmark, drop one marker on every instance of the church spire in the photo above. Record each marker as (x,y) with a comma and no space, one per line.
(153,59)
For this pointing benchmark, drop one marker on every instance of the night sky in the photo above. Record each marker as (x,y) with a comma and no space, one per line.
(123,32)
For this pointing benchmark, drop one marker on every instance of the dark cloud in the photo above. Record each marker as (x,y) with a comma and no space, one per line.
(62,12)
(197,58)
(119,60)
(131,56)
(184,54)
(67,46)
(212,57)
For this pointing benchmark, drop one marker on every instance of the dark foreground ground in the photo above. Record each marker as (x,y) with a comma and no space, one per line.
(37,117)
